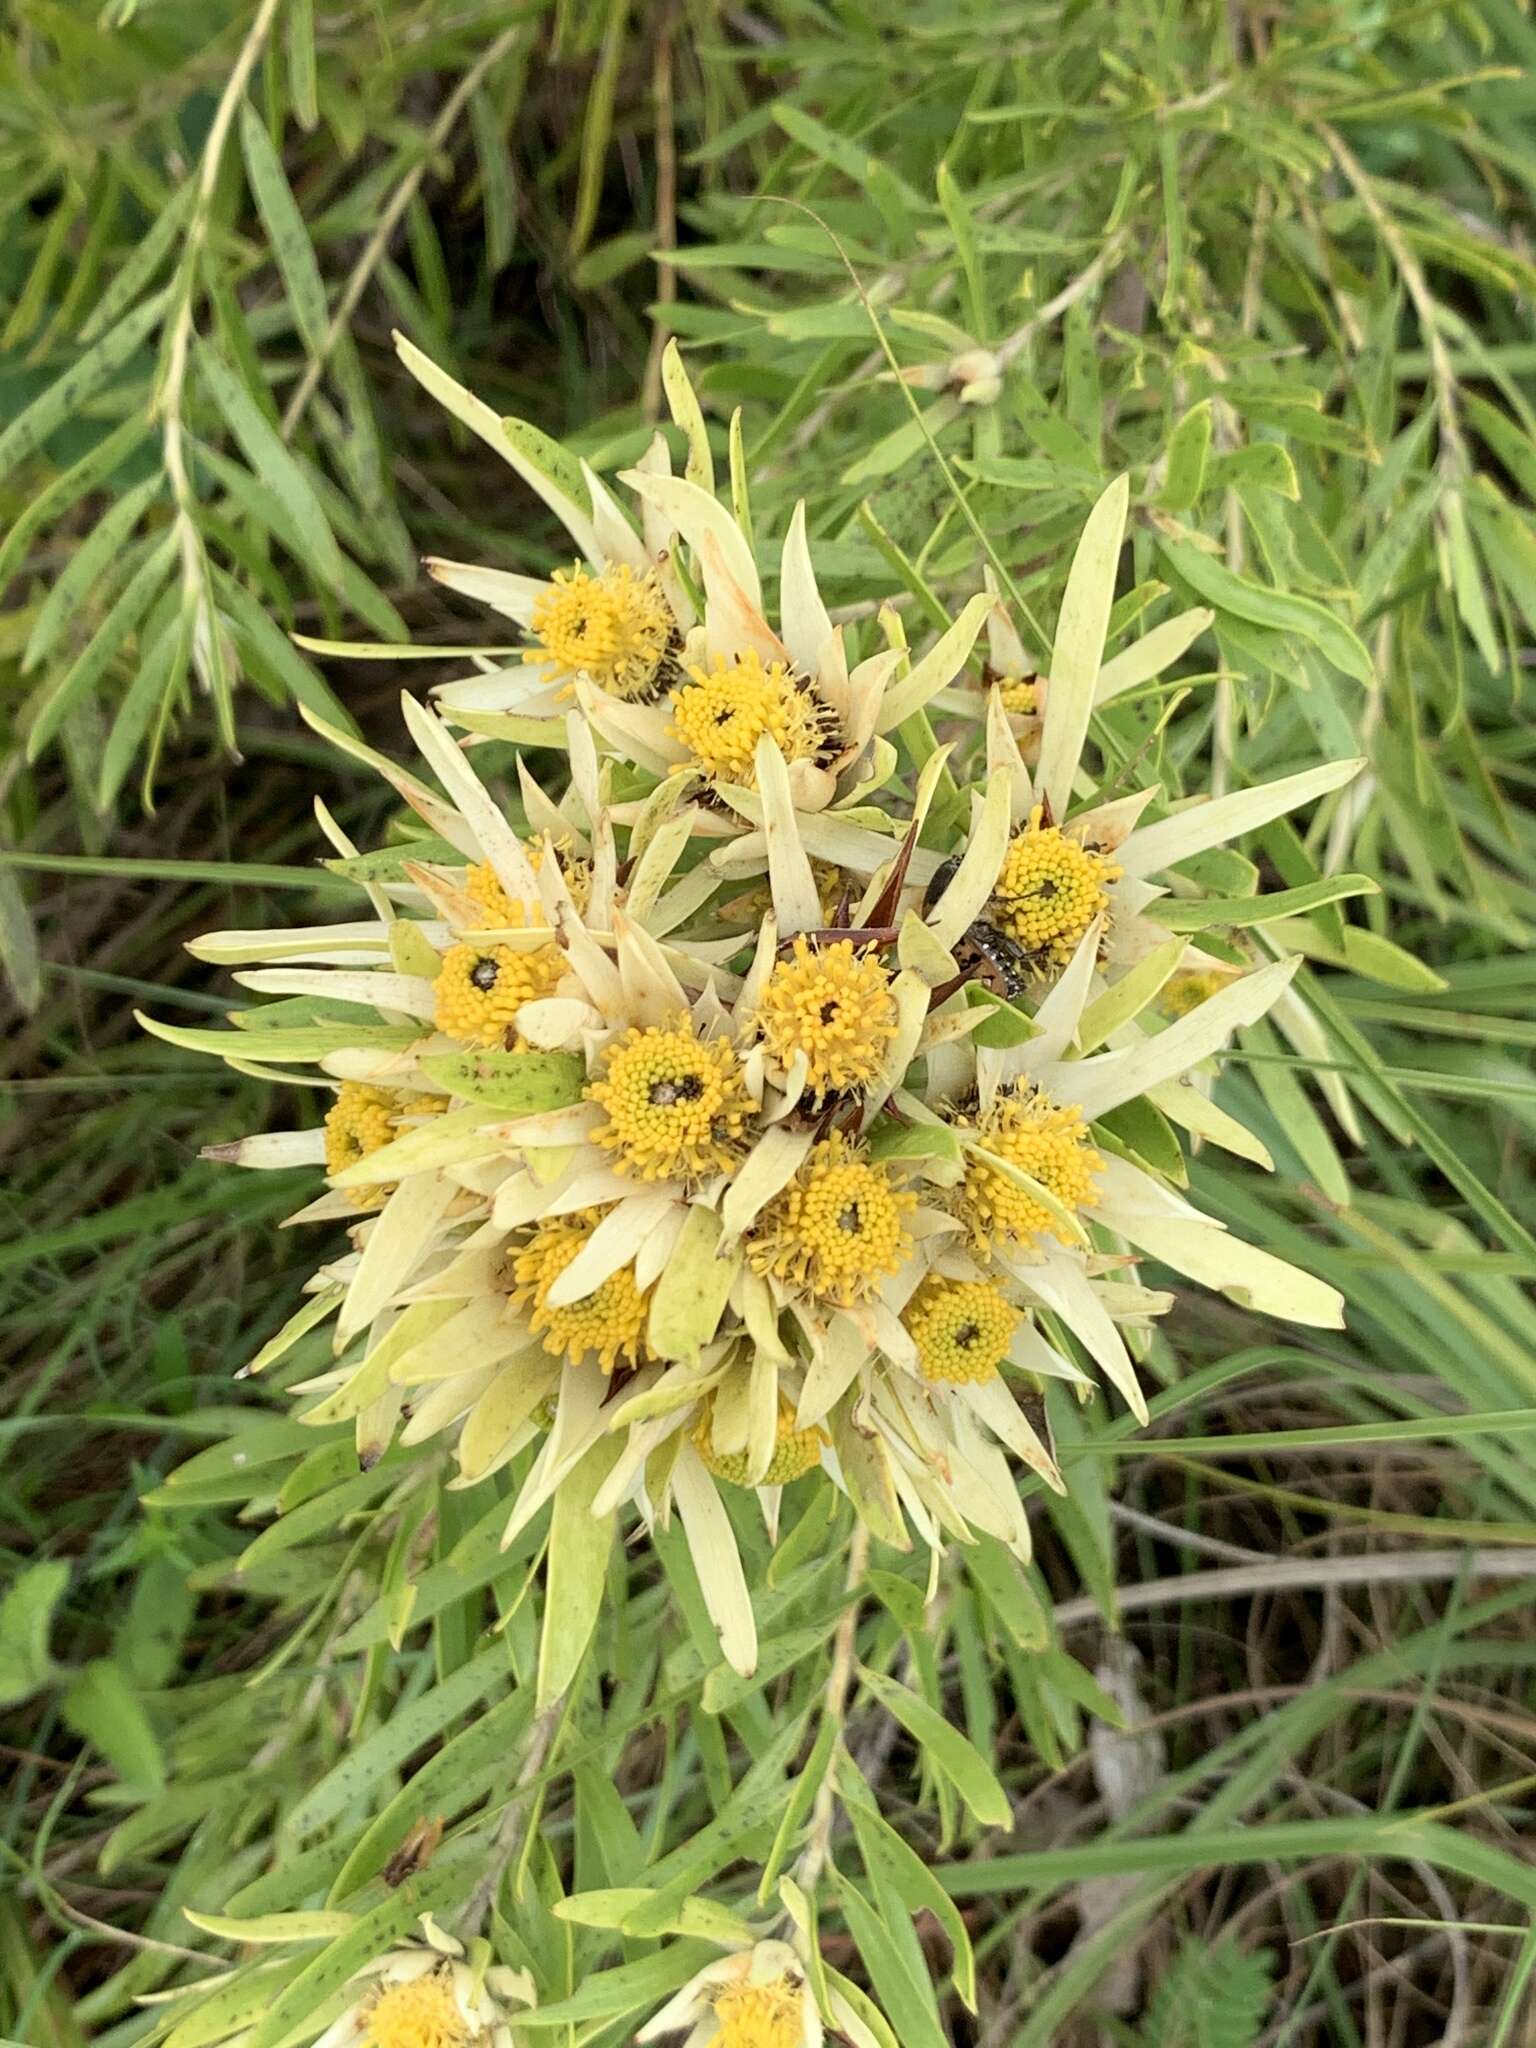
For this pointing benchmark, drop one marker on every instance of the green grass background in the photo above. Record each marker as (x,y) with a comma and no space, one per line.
(1202,231)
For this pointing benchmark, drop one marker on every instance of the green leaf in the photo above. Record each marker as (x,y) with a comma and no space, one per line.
(1276,610)
(945,1748)
(910,1999)
(276,467)
(902,1871)
(1380,959)
(552,462)
(521,1083)
(579,1542)
(297,1046)
(26,1614)
(1202,914)
(101,1707)
(265,1927)
(286,234)
(1211,1997)
(691,1294)
(1184,464)
(68,393)
(20,958)
(373,1762)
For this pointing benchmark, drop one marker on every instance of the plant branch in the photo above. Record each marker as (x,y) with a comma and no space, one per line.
(835,1709)
(509,1835)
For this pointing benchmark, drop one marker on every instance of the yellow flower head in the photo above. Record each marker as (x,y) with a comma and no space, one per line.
(480,989)
(608,1324)
(1186,991)
(1049,890)
(722,713)
(795,1451)
(838,1226)
(1020,694)
(501,914)
(835,1006)
(422,2013)
(677,1104)
(615,627)
(962,1328)
(1037,1137)
(761,2015)
(358,1122)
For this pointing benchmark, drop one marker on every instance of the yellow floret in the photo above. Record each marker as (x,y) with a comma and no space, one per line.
(1049,890)
(1047,1142)
(677,1104)
(480,990)
(501,913)
(1020,694)
(360,1121)
(833,1005)
(962,1329)
(795,1451)
(838,1227)
(722,713)
(615,627)
(608,1324)
(423,2013)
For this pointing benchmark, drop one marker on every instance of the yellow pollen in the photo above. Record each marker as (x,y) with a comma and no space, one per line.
(421,2014)
(962,1329)
(837,1228)
(676,1103)
(480,989)
(761,2015)
(608,1324)
(501,913)
(1188,990)
(721,714)
(615,627)
(360,1120)
(833,1005)
(1049,890)
(1042,1139)
(795,1451)
(1020,694)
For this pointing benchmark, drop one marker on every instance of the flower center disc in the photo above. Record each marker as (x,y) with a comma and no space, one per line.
(608,1324)
(480,989)
(421,2014)
(795,1451)
(837,1228)
(760,2015)
(615,627)
(1049,890)
(1048,1143)
(676,1103)
(722,713)
(834,1006)
(962,1329)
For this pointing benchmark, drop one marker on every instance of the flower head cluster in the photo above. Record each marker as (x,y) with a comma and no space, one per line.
(725,1200)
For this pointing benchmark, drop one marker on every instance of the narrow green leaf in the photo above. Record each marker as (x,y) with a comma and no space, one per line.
(286,232)
(273,463)
(944,1747)
(579,1542)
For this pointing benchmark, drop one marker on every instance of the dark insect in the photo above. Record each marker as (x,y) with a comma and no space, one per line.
(983,953)
(414,1853)
(990,957)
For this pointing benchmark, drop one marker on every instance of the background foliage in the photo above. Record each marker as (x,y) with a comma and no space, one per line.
(1273,262)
